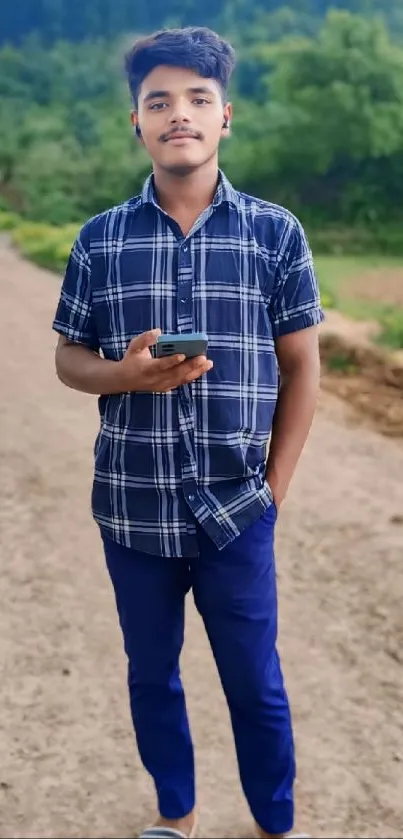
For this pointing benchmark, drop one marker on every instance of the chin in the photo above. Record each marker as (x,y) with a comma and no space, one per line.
(184,166)
(181,170)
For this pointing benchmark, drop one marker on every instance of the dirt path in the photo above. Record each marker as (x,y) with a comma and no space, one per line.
(68,766)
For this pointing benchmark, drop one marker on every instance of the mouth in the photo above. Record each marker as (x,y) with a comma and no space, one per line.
(179,138)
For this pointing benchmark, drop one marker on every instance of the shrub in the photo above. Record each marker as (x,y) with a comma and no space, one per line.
(348,241)
(391,322)
(46,245)
(8,221)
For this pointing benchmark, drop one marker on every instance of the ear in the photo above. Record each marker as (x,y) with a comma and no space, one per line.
(226,126)
(134,118)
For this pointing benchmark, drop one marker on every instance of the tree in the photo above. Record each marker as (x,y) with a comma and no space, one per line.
(341,102)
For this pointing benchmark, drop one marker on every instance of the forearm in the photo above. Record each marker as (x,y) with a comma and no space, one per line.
(81,369)
(292,422)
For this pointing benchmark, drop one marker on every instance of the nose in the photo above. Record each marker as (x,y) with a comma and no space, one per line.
(179,113)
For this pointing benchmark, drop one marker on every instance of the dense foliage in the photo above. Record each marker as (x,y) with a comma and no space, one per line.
(318,98)
(75,20)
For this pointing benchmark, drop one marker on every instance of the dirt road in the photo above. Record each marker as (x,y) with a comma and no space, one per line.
(68,766)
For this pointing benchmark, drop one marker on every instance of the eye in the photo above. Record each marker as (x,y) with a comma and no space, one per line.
(157,106)
(201,101)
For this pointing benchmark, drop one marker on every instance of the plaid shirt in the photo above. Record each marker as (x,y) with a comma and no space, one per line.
(244,275)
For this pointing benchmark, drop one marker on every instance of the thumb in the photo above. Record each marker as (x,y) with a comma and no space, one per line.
(143,341)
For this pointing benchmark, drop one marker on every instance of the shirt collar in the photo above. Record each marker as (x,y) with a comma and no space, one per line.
(225,192)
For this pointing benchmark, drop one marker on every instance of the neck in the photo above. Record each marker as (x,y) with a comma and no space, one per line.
(190,193)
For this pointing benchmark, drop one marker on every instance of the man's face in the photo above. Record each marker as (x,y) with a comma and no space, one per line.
(181,118)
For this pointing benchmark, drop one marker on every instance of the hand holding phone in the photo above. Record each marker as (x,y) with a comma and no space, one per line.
(168,369)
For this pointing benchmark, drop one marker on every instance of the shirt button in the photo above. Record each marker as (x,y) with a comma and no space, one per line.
(191,498)
(184,299)
(185,248)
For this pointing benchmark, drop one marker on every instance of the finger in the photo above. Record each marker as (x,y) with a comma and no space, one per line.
(197,359)
(145,340)
(162,364)
(198,371)
(173,360)
(186,374)
(200,364)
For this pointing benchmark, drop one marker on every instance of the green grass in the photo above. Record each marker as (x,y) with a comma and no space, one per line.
(334,271)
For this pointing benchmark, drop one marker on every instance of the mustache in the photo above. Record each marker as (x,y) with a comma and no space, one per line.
(180,132)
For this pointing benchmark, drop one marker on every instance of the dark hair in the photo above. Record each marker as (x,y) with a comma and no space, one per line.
(195,47)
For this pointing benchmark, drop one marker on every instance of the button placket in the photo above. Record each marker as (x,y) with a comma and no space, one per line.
(184,292)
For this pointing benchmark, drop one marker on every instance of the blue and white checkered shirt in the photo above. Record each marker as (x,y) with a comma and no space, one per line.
(244,275)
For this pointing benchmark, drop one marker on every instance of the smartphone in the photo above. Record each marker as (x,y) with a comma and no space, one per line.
(189,344)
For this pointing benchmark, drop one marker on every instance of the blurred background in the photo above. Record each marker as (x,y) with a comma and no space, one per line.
(318,126)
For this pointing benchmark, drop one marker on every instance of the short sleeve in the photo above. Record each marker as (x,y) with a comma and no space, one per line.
(74,316)
(295,302)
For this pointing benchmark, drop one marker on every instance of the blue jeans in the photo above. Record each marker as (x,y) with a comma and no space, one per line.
(235,593)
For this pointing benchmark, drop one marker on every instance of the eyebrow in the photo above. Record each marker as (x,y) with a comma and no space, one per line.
(165,94)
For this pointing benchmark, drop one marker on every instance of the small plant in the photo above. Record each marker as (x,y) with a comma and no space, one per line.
(340,362)
(328,300)
(391,322)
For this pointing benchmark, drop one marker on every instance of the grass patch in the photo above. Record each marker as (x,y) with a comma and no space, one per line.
(333,274)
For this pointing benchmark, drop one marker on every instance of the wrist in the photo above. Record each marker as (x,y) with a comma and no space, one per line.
(115,377)
(127,378)
(278,488)
(121,377)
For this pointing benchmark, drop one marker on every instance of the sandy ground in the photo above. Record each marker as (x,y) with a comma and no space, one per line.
(68,765)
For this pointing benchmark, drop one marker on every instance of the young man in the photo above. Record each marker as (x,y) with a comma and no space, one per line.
(184,494)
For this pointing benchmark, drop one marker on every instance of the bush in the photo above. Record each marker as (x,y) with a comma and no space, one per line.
(46,245)
(8,221)
(391,322)
(348,241)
